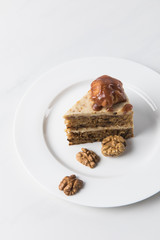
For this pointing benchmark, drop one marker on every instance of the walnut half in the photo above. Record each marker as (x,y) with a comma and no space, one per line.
(87,158)
(70,185)
(113,145)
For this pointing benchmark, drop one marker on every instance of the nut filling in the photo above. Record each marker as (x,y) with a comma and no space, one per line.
(113,145)
(87,158)
(70,185)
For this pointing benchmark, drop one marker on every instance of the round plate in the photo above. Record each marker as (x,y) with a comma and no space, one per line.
(42,143)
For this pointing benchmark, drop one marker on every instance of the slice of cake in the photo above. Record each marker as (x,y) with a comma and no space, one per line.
(105,110)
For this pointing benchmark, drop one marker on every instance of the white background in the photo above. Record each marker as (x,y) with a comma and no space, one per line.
(34,37)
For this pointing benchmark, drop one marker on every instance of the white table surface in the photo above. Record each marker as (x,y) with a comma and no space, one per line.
(34,37)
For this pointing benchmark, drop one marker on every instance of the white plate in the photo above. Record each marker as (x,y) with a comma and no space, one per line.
(42,144)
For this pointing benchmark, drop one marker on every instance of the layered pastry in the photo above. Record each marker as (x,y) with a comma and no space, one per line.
(105,110)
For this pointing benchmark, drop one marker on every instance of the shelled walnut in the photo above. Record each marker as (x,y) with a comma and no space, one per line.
(87,158)
(106,91)
(113,145)
(70,185)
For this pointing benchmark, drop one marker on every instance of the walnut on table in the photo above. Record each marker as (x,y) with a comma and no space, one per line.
(70,185)
(113,145)
(87,158)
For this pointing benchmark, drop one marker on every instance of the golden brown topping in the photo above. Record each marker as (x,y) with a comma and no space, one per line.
(70,185)
(110,109)
(106,91)
(126,108)
(113,145)
(96,107)
(87,158)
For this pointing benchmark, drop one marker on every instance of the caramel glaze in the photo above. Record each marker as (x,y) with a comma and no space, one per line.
(96,107)
(110,109)
(106,91)
(126,108)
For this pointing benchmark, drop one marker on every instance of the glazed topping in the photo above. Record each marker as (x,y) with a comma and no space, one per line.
(96,107)
(106,91)
(126,108)
(110,109)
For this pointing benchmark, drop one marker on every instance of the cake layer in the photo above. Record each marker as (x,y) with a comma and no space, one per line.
(78,137)
(79,122)
(86,124)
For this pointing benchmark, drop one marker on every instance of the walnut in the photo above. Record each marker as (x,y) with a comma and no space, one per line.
(113,145)
(70,185)
(106,91)
(87,158)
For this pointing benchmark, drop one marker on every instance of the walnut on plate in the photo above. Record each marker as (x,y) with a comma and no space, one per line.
(113,145)
(70,185)
(87,158)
